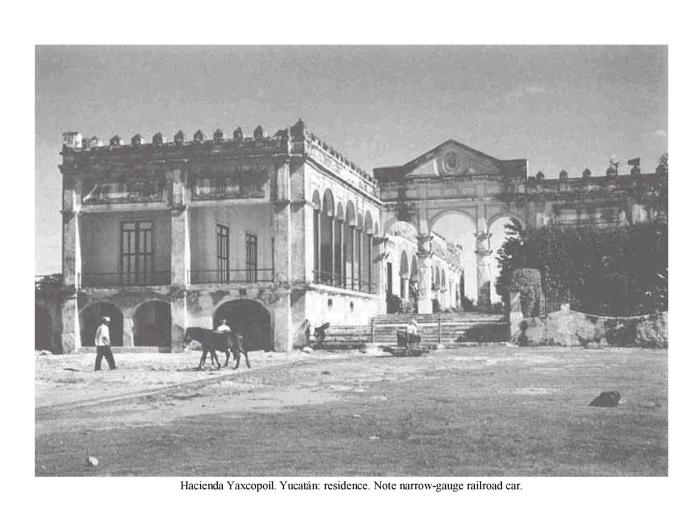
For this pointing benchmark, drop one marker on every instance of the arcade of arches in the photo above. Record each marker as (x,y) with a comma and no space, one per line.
(343,245)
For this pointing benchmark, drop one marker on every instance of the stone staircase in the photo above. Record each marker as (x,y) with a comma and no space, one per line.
(449,329)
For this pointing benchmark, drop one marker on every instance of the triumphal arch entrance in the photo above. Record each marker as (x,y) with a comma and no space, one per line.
(454,189)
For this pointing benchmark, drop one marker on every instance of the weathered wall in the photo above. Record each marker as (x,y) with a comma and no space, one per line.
(240,219)
(100,237)
(346,307)
(574,329)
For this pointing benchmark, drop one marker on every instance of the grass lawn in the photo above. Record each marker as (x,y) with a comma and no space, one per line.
(466,412)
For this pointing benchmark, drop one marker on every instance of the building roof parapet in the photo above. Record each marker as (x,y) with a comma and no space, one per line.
(76,149)
(300,132)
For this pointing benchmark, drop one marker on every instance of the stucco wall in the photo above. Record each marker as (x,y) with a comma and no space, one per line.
(347,308)
(240,219)
(100,237)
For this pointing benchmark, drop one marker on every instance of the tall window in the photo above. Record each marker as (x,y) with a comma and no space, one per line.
(136,252)
(251,257)
(222,253)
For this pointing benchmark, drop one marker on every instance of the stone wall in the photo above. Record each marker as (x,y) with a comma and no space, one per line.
(575,329)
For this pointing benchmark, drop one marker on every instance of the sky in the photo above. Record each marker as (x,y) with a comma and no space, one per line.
(558,107)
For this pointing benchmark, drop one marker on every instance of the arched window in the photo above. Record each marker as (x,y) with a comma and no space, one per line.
(316,203)
(327,232)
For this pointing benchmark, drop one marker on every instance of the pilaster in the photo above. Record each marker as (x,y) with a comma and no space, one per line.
(70,332)
(281,224)
(282,323)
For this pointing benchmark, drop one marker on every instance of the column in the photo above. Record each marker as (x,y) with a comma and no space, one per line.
(311,232)
(71,263)
(332,226)
(359,258)
(425,281)
(70,325)
(370,261)
(483,271)
(404,288)
(281,225)
(72,260)
(341,251)
(352,256)
(317,245)
(282,323)
(178,316)
(179,260)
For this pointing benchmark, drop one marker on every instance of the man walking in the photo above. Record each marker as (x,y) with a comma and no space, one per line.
(104,345)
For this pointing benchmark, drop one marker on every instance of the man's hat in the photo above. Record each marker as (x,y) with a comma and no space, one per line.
(106,318)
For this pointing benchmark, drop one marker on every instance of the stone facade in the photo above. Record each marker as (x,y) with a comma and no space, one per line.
(288,232)
(169,235)
(455,179)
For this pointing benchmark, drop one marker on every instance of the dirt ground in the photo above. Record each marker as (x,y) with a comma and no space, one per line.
(465,412)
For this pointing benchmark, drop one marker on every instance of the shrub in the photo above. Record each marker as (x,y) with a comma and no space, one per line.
(608,271)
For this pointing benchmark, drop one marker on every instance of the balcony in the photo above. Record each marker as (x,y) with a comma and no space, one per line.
(120,279)
(343,282)
(232,276)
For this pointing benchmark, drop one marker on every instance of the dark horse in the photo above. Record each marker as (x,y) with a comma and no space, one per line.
(211,341)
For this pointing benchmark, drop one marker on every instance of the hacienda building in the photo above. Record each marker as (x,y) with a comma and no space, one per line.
(280,234)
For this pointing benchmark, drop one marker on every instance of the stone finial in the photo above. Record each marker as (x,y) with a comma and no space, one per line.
(158,139)
(298,129)
(258,133)
(586,173)
(179,137)
(563,175)
(612,169)
(138,140)
(218,135)
(198,137)
(539,176)
(72,140)
(238,135)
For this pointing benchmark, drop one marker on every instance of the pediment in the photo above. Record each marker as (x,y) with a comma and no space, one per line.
(452,158)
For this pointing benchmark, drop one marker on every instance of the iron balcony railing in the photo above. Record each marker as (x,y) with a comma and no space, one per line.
(344,282)
(232,275)
(124,279)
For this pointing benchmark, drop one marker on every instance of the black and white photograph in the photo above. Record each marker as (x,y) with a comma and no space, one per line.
(363,260)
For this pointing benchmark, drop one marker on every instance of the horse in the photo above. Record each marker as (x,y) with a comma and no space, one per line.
(211,341)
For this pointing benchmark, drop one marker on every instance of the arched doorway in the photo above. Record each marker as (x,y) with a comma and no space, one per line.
(152,325)
(249,318)
(91,317)
(42,328)
(459,228)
